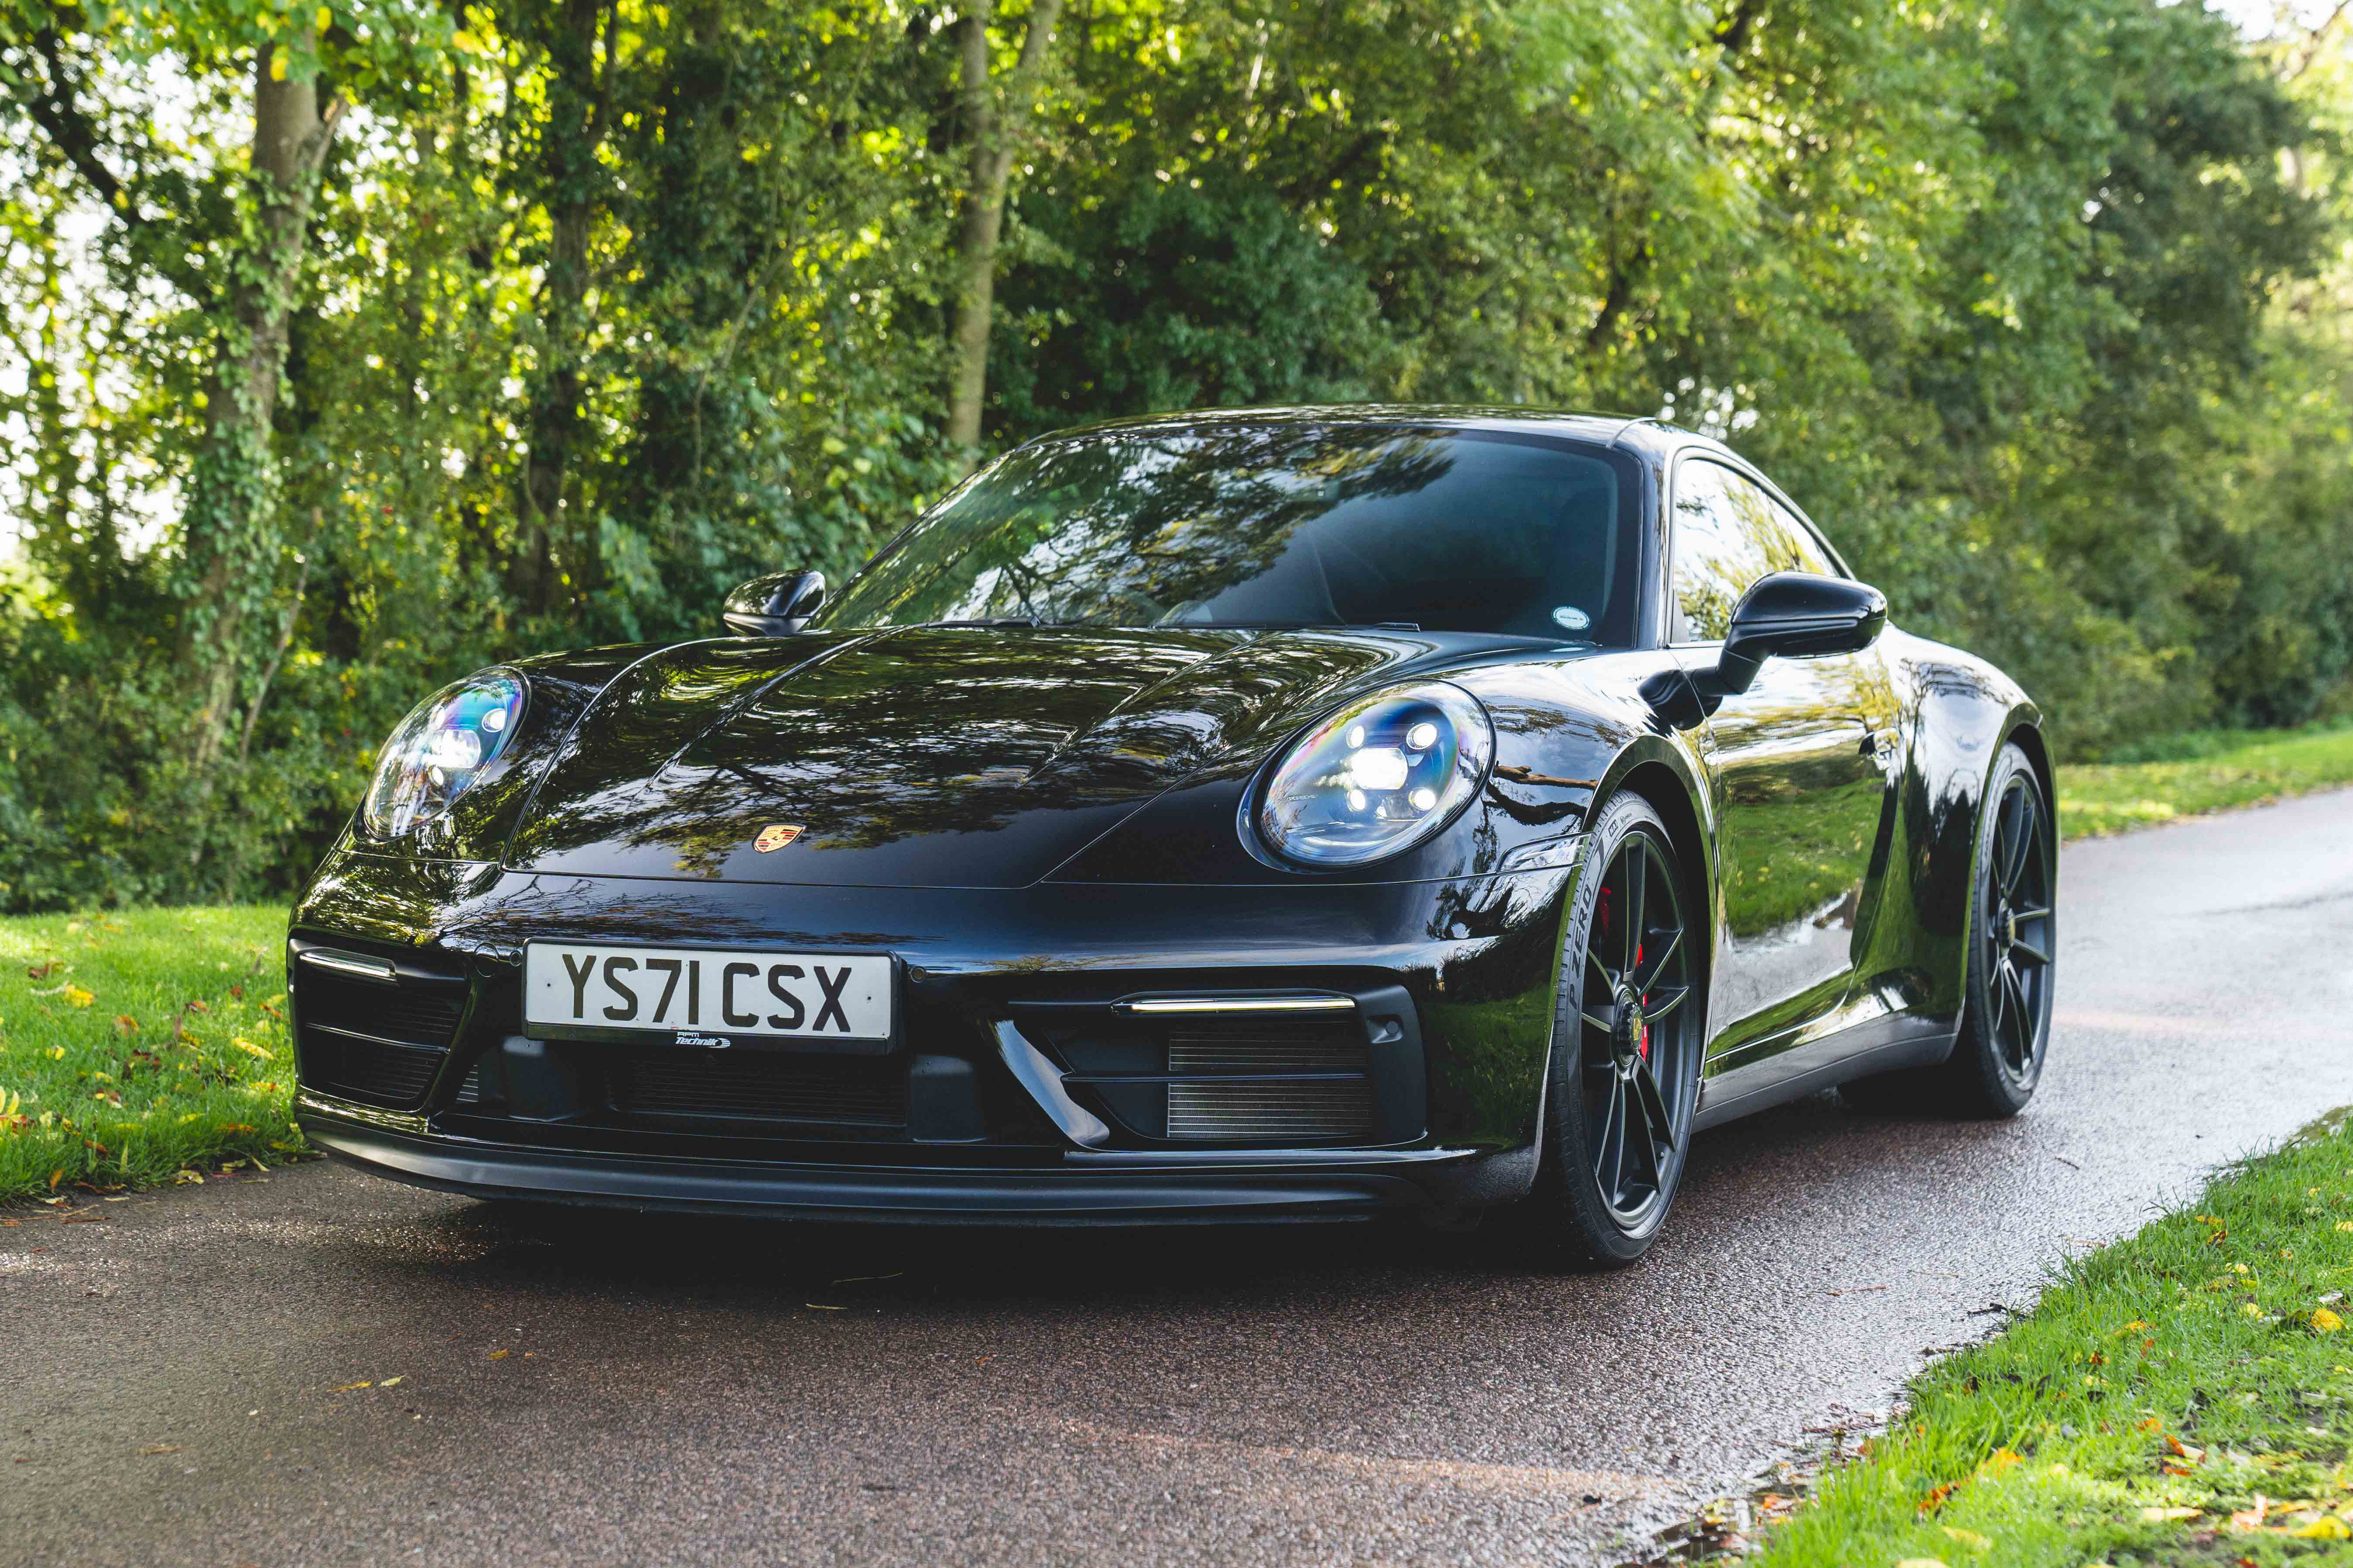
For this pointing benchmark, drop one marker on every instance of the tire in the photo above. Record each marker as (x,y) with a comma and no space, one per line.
(2011,947)
(1628,1030)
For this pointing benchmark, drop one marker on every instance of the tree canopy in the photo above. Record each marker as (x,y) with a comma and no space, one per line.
(351,346)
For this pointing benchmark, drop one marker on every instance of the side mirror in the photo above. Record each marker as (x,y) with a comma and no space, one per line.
(775,606)
(1794,615)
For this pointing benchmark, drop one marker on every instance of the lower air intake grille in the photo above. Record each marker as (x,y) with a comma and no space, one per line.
(410,1015)
(380,1072)
(1250,1107)
(380,1044)
(764,1086)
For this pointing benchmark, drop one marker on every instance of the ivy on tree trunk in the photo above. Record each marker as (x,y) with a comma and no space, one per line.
(231,522)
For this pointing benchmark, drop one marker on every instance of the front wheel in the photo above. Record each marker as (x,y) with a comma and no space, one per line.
(1628,1032)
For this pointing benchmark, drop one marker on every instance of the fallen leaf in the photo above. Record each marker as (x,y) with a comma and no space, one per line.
(2252,1518)
(500,1355)
(2002,1458)
(2175,1445)
(79,997)
(1919,1562)
(347,1387)
(125,1024)
(2327,1527)
(1936,1499)
(164,1448)
(81,1216)
(1969,1537)
(2153,1514)
(388,1382)
(2326,1321)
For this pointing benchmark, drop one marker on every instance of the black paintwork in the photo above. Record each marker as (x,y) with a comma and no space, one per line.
(1040,821)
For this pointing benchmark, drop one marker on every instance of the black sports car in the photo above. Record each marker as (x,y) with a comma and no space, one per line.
(1260,813)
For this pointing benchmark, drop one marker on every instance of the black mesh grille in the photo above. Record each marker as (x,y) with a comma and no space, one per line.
(377,1044)
(374,1071)
(766,1086)
(1242,1109)
(411,1013)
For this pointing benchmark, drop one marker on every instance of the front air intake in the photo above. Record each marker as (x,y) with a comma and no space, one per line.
(369,1040)
(1268,1080)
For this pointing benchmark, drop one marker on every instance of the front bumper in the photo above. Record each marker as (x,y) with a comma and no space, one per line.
(1450,1115)
(1317,1184)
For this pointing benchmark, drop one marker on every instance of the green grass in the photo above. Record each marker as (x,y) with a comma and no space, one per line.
(2209,770)
(96,1087)
(2184,1396)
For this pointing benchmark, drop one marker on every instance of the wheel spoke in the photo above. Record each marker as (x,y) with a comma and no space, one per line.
(1609,980)
(2022,916)
(1660,1126)
(1609,1162)
(2021,842)
(1659,964)
(2024,1033)
(1655,1011)
(1646,1151)
(1632,883)
(1592,1022)
(2029,949)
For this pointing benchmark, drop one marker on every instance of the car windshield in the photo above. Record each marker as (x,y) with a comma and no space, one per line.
(1291,523)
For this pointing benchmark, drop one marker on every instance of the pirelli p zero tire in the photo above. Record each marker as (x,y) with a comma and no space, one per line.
(2012,947)
(1628,1033)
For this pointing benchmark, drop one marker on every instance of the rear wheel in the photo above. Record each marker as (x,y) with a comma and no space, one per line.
(2013,946)
(1627,1037)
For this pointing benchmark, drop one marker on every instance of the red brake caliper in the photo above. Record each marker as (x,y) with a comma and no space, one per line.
(1644,1045)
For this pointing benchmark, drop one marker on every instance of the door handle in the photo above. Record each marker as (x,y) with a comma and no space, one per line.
(1880,745)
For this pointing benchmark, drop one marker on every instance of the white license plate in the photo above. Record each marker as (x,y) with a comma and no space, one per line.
(708,992)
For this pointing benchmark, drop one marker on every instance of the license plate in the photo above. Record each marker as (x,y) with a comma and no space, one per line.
(710,994)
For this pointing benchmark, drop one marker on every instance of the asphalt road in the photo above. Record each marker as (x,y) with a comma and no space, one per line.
(173,1379)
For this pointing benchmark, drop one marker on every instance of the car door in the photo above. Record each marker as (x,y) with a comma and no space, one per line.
(1798,763)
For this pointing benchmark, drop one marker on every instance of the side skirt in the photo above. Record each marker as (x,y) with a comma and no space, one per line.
(1883,1044)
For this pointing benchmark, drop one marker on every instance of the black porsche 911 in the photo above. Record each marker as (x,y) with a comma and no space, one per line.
(1282,814)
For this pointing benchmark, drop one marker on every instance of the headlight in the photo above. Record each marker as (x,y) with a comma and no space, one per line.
(1378,776)
(441,749)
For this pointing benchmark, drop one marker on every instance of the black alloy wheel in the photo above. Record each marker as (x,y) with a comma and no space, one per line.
(1626,1043)
(2012,957)
(2016,932)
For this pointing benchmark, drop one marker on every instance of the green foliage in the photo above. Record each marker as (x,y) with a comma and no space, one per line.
(600,308)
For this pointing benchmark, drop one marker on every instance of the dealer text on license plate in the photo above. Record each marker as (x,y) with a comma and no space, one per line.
(782,996)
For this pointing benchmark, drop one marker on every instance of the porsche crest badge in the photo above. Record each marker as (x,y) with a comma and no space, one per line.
(776,836)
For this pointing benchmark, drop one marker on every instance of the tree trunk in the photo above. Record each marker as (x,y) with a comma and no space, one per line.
(232,537)
(991,131)
(575,126)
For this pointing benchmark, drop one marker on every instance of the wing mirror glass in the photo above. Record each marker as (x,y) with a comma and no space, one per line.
(1798,615)
(775,606)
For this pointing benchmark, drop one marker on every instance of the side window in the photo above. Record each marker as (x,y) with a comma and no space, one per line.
(1728,534)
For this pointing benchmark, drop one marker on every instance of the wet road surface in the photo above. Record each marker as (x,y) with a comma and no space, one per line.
(173,1380)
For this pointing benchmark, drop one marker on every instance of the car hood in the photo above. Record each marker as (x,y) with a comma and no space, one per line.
(935,757)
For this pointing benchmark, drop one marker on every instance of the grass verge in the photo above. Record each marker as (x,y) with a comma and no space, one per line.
(138,1046)
(2184,1396)
(2208,770)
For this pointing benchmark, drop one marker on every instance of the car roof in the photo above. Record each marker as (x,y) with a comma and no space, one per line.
(1600,428)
